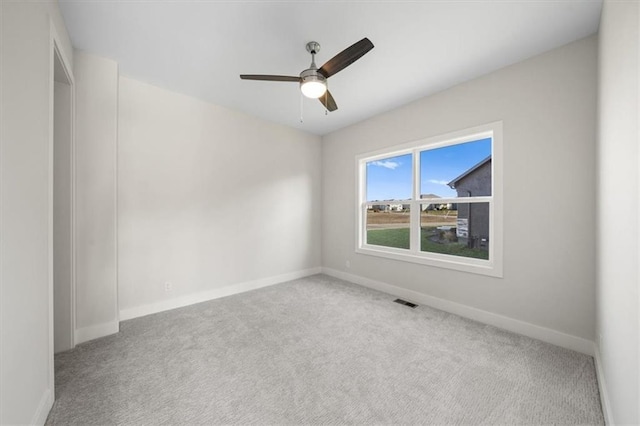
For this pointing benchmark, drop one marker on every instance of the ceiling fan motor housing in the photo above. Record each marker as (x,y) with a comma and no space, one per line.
(311,75)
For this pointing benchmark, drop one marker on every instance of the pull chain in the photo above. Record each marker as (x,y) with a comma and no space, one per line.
(326,97)
(301,108)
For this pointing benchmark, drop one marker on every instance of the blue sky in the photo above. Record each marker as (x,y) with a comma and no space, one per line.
(390,178)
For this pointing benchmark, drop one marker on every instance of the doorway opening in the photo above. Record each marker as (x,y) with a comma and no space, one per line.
(63,207)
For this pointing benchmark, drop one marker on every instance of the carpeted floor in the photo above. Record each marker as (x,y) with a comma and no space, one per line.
(320,351)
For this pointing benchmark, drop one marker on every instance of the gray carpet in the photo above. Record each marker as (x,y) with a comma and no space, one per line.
(320,351)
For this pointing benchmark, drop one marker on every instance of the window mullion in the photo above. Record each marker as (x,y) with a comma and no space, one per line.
(477,199)
(414,224)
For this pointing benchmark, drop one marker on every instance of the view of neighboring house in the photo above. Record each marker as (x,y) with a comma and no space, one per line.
(389,206)
(473,218)
(436,206)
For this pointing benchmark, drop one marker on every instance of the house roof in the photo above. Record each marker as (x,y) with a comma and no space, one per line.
(452,184)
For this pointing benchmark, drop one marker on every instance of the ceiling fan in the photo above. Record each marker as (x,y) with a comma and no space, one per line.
(313,81)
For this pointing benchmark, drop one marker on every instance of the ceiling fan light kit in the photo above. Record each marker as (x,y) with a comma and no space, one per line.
(312,84)
(313,80)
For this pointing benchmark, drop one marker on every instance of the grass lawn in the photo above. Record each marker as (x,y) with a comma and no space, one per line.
(399,238)
(389,237)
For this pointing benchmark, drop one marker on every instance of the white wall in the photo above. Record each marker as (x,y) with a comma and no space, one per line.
(548,108)
(96,222)
(26,135)
(618,326)
(208,198)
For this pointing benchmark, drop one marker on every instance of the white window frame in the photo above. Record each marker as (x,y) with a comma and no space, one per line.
(491,267)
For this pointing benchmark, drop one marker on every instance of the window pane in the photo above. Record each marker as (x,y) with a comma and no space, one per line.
(460,229)
(462,170)
(388,225)
(390,178)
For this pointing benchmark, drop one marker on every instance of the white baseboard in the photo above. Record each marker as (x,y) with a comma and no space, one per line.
(95,331)
(602,387)
(44,406)
(527,329)
(191,299)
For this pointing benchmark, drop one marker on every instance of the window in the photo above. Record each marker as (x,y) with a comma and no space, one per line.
(436,201)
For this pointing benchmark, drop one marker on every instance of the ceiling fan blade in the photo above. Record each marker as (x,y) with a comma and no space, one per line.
(346,57)
(269,77)
(328,101)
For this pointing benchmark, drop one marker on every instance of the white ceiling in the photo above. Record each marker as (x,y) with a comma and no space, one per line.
(199,48)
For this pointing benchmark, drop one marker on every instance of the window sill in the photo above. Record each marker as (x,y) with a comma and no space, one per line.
(464,264)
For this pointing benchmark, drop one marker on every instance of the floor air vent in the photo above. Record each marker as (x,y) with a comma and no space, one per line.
(404,302)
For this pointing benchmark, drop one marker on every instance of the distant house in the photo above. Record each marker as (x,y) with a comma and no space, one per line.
(435,206)
(473,218)
(389,206)
(378,208)
(429,207)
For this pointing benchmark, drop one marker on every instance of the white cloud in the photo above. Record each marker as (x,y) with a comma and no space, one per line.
(438,182)
(386,164)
